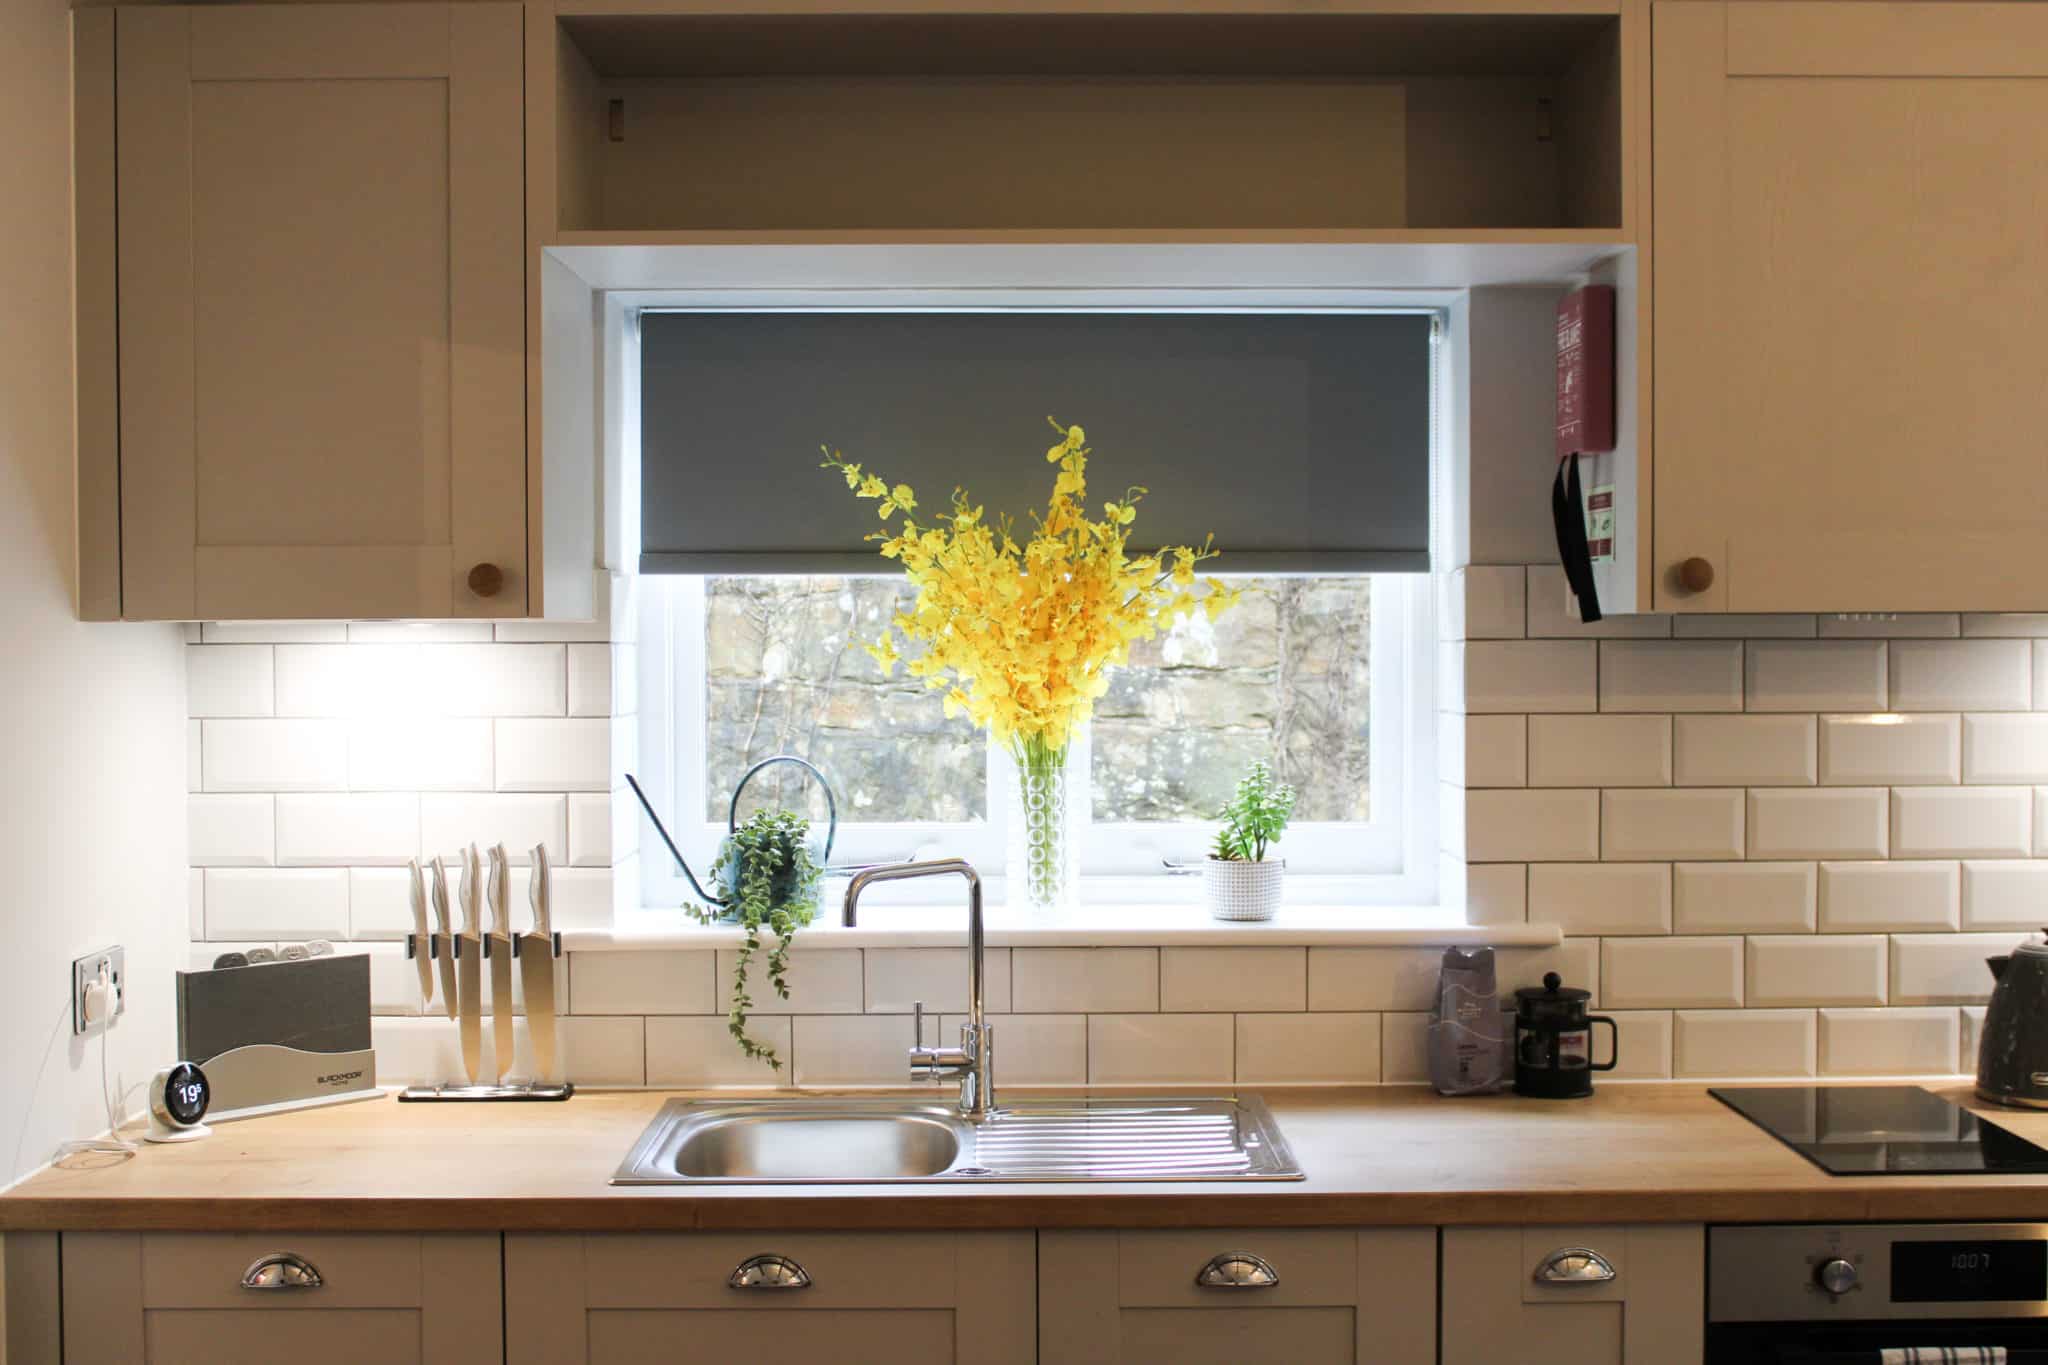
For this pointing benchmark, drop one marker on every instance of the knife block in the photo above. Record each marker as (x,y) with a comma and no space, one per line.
(435,946)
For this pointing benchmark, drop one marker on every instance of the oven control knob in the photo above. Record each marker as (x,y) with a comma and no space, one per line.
(1837,1276)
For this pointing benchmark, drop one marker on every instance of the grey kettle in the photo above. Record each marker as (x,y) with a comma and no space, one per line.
(2012,1052)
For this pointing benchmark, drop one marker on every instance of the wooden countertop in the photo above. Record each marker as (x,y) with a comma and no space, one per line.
(1388,1156)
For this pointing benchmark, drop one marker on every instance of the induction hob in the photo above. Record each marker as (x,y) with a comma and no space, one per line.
(1883,1130)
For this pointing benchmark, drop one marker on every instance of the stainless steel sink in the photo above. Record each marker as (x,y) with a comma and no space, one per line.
(829,1140)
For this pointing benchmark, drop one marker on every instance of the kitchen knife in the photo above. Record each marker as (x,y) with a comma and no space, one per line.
(537,966)
(421,961)
(501,963)
(469,964)
(443,927)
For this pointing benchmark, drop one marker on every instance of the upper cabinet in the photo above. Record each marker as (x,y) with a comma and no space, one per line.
(302,323)
(1851,268)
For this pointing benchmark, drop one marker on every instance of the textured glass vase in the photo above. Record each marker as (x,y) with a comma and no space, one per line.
(1043,865)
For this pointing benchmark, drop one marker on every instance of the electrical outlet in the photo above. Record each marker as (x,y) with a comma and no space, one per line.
(86,1019)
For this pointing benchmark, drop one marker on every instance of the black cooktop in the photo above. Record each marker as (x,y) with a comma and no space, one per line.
(1883,1130)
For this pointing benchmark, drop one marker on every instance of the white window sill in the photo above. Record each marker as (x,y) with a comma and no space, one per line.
(929,926)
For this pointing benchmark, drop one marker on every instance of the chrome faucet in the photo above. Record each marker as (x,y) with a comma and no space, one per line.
(974,1061)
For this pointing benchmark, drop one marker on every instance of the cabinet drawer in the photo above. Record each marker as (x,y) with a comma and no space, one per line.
(211,1336)
(1315,1267)
(847,1270)
(839,1335)
(1608,1242)
(204,1270)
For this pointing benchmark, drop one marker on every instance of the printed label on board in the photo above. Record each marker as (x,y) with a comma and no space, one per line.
(1600,524)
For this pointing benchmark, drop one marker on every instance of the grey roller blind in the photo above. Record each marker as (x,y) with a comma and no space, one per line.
(1300,440)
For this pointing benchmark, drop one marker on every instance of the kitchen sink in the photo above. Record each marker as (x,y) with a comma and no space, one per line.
(829,1140)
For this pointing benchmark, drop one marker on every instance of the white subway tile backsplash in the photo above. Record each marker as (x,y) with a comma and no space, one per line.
(899,978)
(1404,1048)
(1888,897)
(1677,675)
(195,903)
(1161,1049)
(1739,898)
(273,755)
(1308,1049)
(1743,751)
(1960,675)
(1839,969)
(1942,969)
(228,680)
(1655,826)
(450,823)
(2004,894)
(1932,625)
(821,981)
(1036,1049)
(1528,826)
(1738,626)
(1360,979)
(276,903)
(436,754)
(1495,893)
(656,982)
(1662,973)
(858,1050)
(2005,748)
(1709,1044)
(1491,751)
(590,680)
(1486,602)
(1084,980)
(1602,898)
(1890,749)
(1889,1042)
(1530,675)
(1554,611)
(421,679)
(1838,822)
(2015,625)
(1825,675)
(1215,980)
(590,830)
(1600,751)
(195,768)
(696,1052)
(231,830)
(1962,822)
(554,755)
(347,830)
(1643,1045)
(380,902)
(272,632)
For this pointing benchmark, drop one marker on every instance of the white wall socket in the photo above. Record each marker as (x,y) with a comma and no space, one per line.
(94,1011)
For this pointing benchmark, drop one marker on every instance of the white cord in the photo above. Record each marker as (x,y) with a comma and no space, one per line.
(113,1144)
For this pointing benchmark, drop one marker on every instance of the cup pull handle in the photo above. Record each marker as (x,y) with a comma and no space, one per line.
(1574,1265)
(1237,1270)
(1613,1044)
(282,1270)
(769,1272)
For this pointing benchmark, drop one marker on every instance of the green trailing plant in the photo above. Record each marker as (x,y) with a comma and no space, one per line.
(1256,817)
(767,878)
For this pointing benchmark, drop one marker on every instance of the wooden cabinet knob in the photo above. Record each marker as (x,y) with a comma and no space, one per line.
(1696,575)
(486,579)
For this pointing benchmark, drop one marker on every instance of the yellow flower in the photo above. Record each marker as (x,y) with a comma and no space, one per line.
(884,653)
(902,497)
(872,487)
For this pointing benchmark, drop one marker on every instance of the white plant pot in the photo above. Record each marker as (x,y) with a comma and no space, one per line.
(1242,890)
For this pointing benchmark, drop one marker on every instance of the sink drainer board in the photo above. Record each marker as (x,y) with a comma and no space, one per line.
(829,1141)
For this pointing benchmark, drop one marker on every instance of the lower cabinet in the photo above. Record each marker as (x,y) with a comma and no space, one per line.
(1633,1295)
(1308,1296)
(850,1298)
(159,1298)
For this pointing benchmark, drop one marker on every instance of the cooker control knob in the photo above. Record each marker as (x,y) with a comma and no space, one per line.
(1836,1276)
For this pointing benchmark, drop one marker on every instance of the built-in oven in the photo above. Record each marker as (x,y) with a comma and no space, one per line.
(1877,1293)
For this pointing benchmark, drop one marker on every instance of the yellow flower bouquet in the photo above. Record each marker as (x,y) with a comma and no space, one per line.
(1020,636)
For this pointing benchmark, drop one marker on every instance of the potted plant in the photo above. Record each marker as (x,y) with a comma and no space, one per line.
(765,876)
(1238,880)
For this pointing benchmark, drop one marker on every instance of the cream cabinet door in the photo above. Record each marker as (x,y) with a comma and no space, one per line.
(179,1299)
(1336,1296)
(1851,270)
(321,295)
(1500,1303)
(894,1298)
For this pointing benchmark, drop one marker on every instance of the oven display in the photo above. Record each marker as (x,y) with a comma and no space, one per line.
(1969,1272)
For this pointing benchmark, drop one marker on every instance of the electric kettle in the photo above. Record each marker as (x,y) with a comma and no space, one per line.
(2012,1053)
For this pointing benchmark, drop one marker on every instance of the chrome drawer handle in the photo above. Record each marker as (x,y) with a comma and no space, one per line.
(768,1272)
(1238,1270)
(282,1270)
(1574,1265)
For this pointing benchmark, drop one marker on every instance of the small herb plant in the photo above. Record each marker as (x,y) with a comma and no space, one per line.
(1255,818)
(766,877)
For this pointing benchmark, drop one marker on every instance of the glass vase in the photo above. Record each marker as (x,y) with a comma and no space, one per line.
(1043,865)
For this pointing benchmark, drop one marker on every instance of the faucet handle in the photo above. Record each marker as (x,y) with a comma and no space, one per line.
(917,1024)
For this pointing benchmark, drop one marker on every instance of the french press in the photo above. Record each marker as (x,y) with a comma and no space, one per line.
(1554,1041)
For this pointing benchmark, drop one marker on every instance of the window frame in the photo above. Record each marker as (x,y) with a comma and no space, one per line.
(1123,863)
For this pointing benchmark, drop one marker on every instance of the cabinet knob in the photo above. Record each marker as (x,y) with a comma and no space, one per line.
(282,1270)
(486,579)
(1237,1270)
(1696,575)
(1574,1265)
